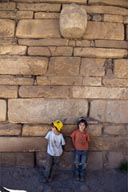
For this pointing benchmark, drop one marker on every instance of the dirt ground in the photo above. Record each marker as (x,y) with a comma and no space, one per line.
(31,180)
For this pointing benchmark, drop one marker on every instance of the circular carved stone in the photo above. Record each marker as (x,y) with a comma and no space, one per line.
(73,21)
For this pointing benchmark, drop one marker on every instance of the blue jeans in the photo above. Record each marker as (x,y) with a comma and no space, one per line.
(80,159)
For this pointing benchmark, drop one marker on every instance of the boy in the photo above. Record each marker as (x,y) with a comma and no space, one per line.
(54,149)
(80,139)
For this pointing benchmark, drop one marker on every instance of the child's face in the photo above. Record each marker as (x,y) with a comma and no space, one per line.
(82,126)
(54,130)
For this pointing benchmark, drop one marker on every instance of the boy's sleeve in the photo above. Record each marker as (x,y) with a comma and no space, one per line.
(47,135)
(63,140)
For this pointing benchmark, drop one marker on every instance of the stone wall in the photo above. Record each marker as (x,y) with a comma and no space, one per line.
(45,76)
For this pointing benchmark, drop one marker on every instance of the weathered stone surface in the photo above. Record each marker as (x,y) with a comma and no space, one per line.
(92,81)
(50,51)
(21,144)
(39,7)
(126,32)
(12,50)
(111,44)
(122,3)
(121,68)
(73,21)
(114,130)
(95,130)
(92,67)
(16,14)
(14,80)
(83,43)
(44,15)
(7,28)
(113,18)
(8,41)
(8,91)
(114,159)
(23,65)
(38,28)
(10,129)
(114,82)
(7,6)
(44,42)
(17,159)
(35,130)
(99,9)
(104,30)
(2,110)
(44,91)
(37,110)
(126,19)
(59,1)
(99,92)
(110,111)
(100,52)
(97,158)
(59,80)
(64,65)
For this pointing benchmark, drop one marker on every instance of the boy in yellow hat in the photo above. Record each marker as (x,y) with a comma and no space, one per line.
(54,149)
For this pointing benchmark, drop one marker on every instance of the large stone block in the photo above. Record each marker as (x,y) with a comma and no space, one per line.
(9,129)
(40,110)
(110,111)
(104,30)
(120,3)
(16,14)
(23,65)
(2,110)
(114,159)
(73,21)
(92,67)
(38,28)
(111,44)
(115,82)
(13,50)
(64,65)
(44,91)
(8,91)
(121,68)
(35,130)
(7,6)
(21,144)
(114,130)
(7,28)
(100,52)
(99,92)
(97,158)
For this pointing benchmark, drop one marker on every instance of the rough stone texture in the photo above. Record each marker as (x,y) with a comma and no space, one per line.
(113,18)
(114,159)
(99,92)
(2,110)
(73,21)
(23,65)
(99,9)
(92,67)
(59,80)
(7,28)
(114,82)
(12,50)
(121,68)
(37,110)
(7,6)
(8,91)
(16,14)
(14,80)
(106,111)
(114,130)
(44,15)
(35,130)
(9,129)
(111,44)
(17,159)
(39,7)
(22,144)
(97,158)
(104,30)
(70,66)
(100,52)
(122,3)
(44,91)
(35,29)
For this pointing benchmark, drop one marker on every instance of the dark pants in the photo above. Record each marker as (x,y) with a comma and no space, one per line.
(80,159)
(52,163)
